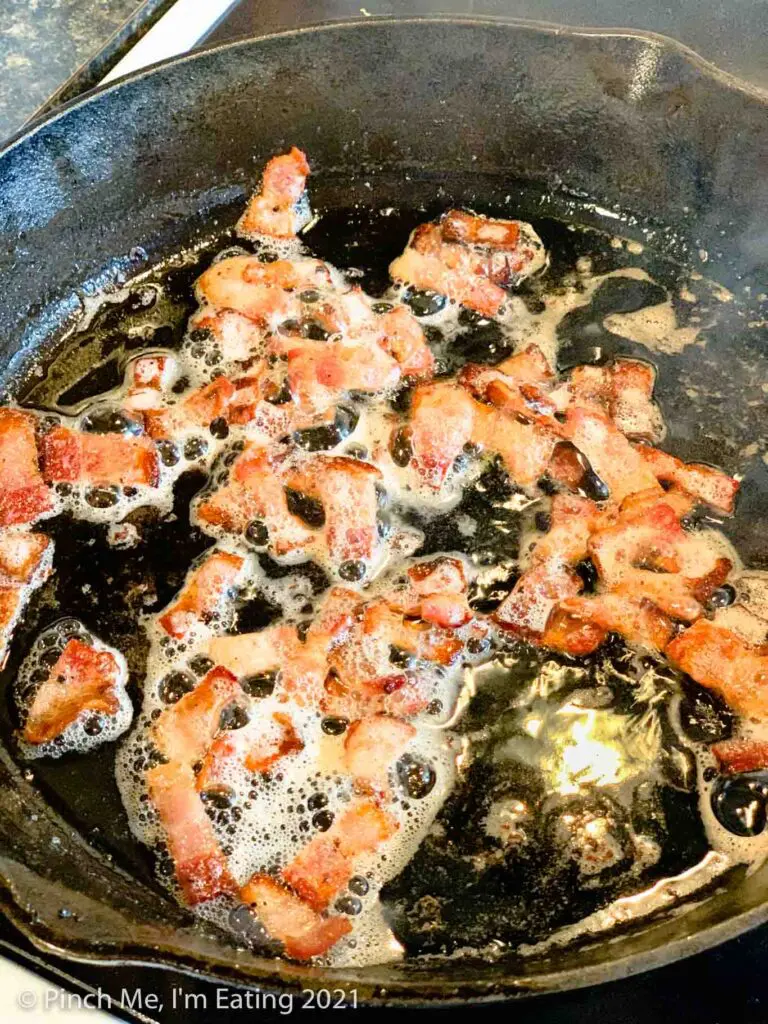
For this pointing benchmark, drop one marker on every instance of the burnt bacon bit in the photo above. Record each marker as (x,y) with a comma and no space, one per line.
(206,589)
(69,456)
(84,678)
(24,495)
(199,863)
(276,209)
(327,863)
(722,661)
(184,731)
(303,932)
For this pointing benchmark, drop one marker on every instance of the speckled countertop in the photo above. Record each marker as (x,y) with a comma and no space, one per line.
(42,42)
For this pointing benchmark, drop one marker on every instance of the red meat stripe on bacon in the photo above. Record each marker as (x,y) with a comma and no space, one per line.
(23,493)
(83,679)
(303,932)
(201,868)
(327,862)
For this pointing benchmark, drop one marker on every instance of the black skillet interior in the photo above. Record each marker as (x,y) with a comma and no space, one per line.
(553,126)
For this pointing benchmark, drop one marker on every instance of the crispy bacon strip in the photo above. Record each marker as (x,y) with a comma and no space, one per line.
(274,210)
(203,593)
(720,660)
(83,678)
(185,731)
(709,485)
(201,867)
(256,490)
(254,748)
(372,745)
(327,862)
(100,459)
(303,932)
(24,496)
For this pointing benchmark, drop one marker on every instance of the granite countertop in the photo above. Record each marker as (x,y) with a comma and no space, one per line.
(42,42)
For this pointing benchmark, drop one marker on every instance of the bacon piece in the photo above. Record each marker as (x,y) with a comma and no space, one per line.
(256,490)
(100,459)
(236,337)
(198,409)
(709,485)
(525,448)
(24,496)
(320,372)
(616,462)
(649,554)
(404,339)
(264,292)
(201,868)
(442,421)
(25,564)
(431,264)
(274,210)
(347,489)
(303,932)
(436,592)
(516,386)
(637,619)
(327,862)
(722,661)
(372,745)
(185,731)
(623,391)
(251,654)
(571,634)
(741,755)
(254,748)
(83,678)
(203,593)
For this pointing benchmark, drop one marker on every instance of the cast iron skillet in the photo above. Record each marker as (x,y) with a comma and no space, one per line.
(608,125)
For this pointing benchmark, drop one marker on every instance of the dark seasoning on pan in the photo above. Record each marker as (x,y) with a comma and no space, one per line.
(503,784)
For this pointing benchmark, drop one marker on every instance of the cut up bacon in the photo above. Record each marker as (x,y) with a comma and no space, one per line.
(571,634)
(201,867)
(741,755)
(83,678)
(622,390)
(147,378)
(253,748)
(469,258)
(319,373)
(441,422)
(615,461)
(435,591)
(236,337)
(636,618)
(101,459)
(256,490)
(404,339)
(185,731)
(328,861)
(267,293)
(274,210)
(711,486)
(198,409)
(25,563)
(648,553)
(303,932)
(372,745)
(24,496)
(722,661)
(347,489)
(203,593)
(251,654)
